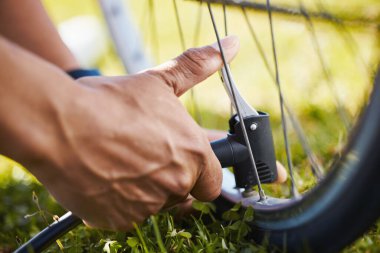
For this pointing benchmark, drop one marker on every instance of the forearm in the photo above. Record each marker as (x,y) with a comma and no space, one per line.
(27,24)
(30,103)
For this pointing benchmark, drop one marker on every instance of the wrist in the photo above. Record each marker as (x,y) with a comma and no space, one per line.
(72,99)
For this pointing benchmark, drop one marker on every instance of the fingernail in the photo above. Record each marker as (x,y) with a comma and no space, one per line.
(227,43)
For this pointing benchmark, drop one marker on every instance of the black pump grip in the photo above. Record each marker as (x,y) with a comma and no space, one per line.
(229,152)
(233,152)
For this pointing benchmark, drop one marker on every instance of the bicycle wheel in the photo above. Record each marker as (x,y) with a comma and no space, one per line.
(323,220)
(342,204)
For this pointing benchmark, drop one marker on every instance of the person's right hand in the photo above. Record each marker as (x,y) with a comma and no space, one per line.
(125,147)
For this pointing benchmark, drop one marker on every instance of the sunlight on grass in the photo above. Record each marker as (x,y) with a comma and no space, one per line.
(306,88)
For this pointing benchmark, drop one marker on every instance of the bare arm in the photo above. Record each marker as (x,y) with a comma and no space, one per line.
(27,101)
(27,24)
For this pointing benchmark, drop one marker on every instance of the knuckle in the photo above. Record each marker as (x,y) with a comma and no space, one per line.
(184,185)
(205,150)
(200,55)
(195,61)
(204,153)
(167,75)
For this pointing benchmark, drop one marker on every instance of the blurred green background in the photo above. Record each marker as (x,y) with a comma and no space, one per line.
(351,54)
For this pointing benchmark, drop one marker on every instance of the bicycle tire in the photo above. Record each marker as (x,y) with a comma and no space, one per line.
(342,204)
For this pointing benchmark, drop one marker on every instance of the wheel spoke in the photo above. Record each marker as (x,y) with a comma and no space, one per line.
(153,25)
(292,12)
(341,28)
(283,118)
(342,112)
(244,130)
(226,34)
(179,26)
(198,25)
(144,22)
(316,166)
(225,19)
(197,113)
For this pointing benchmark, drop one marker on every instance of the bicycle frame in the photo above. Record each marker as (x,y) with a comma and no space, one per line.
(125,35)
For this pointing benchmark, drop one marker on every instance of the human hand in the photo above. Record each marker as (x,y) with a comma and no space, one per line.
(127,147)
(185,208)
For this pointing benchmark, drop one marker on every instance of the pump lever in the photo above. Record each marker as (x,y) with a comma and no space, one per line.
(245,109)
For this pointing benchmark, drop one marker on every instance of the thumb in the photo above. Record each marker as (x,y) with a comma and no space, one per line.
(195,65)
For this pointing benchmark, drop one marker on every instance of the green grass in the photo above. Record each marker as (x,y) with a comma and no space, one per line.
(304,85)
(206,231)
(27,208)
